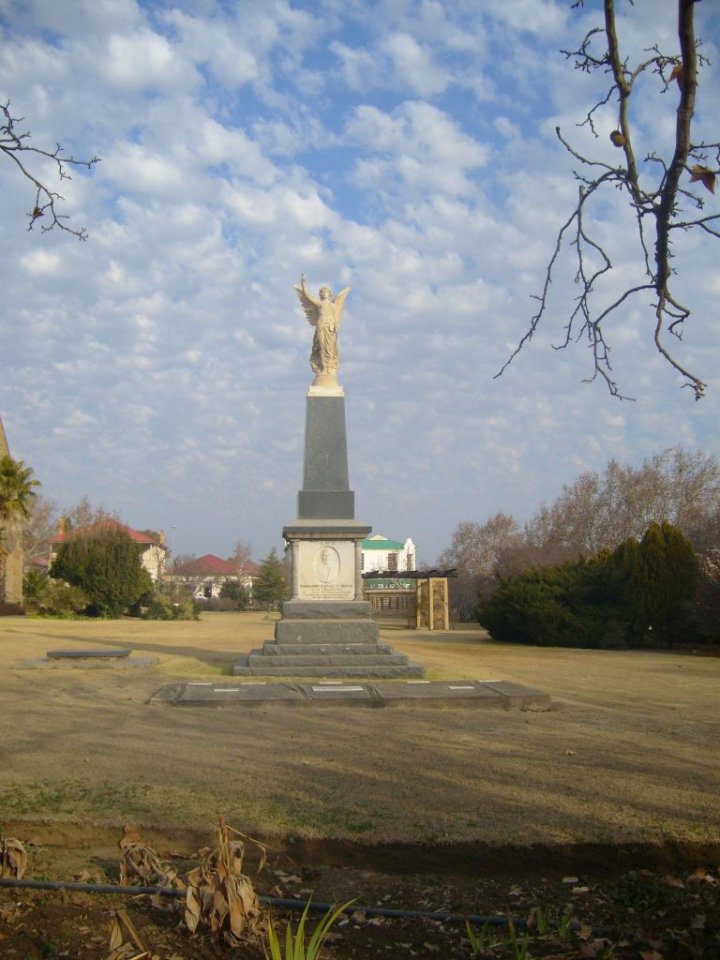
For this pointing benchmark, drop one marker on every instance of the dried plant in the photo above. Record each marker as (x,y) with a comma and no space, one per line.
(13,858)
(125,940)
(138,861)
(221,896)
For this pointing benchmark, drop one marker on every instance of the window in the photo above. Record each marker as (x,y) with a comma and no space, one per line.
(392,561)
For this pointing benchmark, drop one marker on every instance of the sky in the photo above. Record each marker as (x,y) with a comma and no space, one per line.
(405,148)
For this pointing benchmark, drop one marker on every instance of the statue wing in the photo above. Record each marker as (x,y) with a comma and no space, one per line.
(340,305)
(309,305)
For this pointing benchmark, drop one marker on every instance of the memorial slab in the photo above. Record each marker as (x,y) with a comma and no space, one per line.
(460,693)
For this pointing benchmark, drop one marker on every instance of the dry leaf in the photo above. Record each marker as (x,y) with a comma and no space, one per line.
(675,882)
(192,909)
(141,862)
(131,930)
(677,74)
(704,175)
(115,933)
(651,955)
(130,835)
(13,858)
(594,948)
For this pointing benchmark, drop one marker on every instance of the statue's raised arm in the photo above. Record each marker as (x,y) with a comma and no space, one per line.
(310,305)
(325,314)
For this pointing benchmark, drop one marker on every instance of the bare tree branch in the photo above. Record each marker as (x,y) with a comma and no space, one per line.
(16,147)
(658,202)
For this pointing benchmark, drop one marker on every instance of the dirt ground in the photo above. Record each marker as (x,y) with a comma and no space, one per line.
(462,809)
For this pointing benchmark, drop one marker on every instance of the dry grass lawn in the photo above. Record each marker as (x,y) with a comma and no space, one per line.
(628,753)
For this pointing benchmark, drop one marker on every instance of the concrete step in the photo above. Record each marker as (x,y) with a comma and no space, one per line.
(326,631)
(337,660)
(410,671)
(273,648)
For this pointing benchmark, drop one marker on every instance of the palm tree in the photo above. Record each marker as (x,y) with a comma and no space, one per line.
(16,489)
(16,497)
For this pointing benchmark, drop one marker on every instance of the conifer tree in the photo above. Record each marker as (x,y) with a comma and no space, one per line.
(662,580)
(271,586)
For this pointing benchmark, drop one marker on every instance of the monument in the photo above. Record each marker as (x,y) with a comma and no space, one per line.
(326,628)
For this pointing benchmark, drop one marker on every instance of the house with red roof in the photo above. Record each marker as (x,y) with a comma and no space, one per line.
(205,576)
(151,546)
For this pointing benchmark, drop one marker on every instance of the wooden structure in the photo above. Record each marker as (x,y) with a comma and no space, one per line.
(432,609)
(421,596)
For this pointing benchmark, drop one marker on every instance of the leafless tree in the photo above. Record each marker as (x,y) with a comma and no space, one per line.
(242,554)
(15,145)
(596,511)
(601,510)
(44,519)
(475,546)
(666,194)
(41,525)
(475,551)
(705,607)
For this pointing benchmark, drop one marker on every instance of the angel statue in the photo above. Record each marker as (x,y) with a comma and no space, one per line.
(325,315)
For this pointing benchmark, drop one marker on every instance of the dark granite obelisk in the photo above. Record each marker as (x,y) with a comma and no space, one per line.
(326,539)
(326,629)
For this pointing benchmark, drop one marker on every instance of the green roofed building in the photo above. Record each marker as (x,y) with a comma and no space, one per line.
(380,553)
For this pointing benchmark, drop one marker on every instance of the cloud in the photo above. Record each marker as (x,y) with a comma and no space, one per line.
(417,144)
(143,61)
(405,149)
(413,66)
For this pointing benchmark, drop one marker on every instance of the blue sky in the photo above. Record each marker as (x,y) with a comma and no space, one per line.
(404,147)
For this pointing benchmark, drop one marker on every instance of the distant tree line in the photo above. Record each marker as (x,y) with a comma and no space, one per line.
(568,556)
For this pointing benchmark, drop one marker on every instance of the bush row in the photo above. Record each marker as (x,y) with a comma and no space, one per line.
(640,594)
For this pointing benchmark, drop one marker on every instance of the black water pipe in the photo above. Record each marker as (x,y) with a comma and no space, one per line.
(278,902)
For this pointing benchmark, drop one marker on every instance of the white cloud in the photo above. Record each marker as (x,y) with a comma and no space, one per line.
(544,18)
(173,336)
(41,262)
(418,143)
(227,52)
(143,60)
(413,66)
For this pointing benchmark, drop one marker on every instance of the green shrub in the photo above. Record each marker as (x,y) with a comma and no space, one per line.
(57,599)
(234,591)
(34,583)
(106,566)
(545,606)
(163,607)
(637,594)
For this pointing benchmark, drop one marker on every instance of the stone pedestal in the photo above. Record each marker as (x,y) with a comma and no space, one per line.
(326,628)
